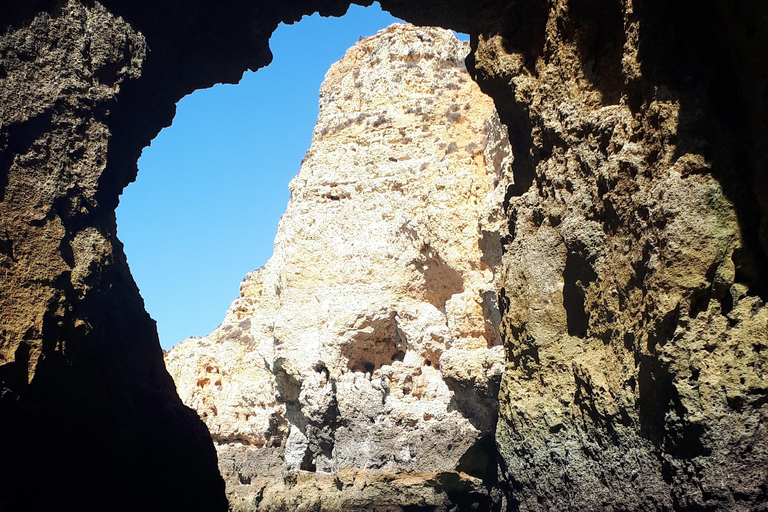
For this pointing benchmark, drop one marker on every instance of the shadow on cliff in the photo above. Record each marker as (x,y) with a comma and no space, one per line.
(96,429)
(716,72)
(718,75)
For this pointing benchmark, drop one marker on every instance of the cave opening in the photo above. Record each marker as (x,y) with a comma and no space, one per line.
(218,178)
(204,209)
(455,407)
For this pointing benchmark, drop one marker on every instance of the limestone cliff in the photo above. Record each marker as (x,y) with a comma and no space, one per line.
(369,341)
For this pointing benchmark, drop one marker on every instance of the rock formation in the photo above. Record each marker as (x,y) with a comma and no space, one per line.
(84,396)
(633,279)
(632,290)
(369,341)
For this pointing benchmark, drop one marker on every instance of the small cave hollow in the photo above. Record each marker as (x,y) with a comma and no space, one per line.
(376,343)
(577,276)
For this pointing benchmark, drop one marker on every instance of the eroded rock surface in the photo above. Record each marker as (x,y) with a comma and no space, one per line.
(82,384)
(635,329)
(369,341)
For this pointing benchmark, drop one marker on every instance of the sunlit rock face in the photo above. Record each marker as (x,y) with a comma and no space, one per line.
(369,341)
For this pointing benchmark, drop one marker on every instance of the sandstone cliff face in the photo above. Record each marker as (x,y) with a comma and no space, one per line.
(635,342)
(369,341)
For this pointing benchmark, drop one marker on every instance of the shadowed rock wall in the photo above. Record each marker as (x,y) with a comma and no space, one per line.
(89,417)
(634,282)
(635,252)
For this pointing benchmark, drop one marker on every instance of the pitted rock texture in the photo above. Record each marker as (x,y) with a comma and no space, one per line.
(369,341)
(82,384)
(636,374)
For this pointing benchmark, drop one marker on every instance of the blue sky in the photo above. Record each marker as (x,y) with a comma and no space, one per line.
(204,209)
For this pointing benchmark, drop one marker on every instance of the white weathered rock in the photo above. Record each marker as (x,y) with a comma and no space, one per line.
(369,341)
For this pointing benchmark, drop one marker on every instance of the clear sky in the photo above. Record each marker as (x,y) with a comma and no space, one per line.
(204,209)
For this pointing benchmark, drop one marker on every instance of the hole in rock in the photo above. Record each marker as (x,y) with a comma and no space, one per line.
(212,187)
(480,460)
(577,276)
(216,184)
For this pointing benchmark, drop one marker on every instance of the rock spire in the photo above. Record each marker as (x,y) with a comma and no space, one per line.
(367,348)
